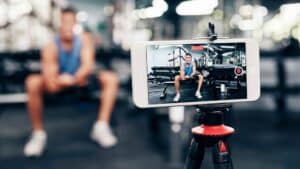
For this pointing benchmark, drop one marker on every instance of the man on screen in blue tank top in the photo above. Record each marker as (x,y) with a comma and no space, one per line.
(188,71)
(69,61)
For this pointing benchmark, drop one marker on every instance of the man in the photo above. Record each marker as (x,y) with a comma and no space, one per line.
(68,61)
(187,72)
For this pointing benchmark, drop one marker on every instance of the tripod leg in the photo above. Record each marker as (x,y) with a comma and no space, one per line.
(164,92)
(222,156)
(195,156)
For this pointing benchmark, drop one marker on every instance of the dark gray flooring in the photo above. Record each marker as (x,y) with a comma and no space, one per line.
(187,93)
(257,144)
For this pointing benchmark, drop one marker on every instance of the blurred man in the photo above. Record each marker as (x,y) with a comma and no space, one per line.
(68,61)
(187,72)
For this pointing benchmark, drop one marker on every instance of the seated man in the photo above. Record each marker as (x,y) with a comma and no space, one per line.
(187,72)
(69,61)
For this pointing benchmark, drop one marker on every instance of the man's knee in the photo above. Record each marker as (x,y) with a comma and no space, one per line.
(177,78)
(108,78)
(34,83)
(200,77)
(52,89)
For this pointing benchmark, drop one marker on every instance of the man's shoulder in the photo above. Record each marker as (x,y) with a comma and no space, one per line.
(85,36)
(51,45)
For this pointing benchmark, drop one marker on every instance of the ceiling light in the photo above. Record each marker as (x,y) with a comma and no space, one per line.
(196,7)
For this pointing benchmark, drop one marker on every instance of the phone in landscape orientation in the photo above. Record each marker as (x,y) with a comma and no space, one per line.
(195,72)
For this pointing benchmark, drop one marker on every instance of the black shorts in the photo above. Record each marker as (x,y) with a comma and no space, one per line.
(196,76)
(93,82)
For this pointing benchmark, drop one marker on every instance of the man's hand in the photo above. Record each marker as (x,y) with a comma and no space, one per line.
(66,80)
(187,77)
(81,78)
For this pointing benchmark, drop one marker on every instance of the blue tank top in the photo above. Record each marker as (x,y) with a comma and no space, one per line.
(69,61)
(188,69)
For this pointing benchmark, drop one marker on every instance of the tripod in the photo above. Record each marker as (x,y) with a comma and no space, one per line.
(212,133)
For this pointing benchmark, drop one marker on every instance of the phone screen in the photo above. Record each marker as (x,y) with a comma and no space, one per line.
(196,72)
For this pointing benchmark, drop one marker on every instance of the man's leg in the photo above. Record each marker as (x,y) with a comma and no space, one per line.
(177,84)
(35,87)
(200,81)
(102,133)
(177,88)
(109,83)
(37,142)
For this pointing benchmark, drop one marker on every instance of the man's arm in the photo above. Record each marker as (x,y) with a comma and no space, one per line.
(49,64)
(194,69)
(87,59)
(182,72)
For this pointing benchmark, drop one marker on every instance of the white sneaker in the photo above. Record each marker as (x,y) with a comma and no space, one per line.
(36,144)
(198,95)
(103,135)
(176,98)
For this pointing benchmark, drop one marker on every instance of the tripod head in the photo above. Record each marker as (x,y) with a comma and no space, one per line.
(212,36)
(212,128)
(213,107)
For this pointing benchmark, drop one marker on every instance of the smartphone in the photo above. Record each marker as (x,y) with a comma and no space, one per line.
(195,72)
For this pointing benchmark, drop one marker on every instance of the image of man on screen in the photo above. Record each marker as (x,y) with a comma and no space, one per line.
(188,72)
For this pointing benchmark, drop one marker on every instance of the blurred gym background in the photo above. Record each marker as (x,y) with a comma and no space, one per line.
(267,131)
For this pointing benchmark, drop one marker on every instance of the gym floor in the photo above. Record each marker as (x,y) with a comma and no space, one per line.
(258,143)
(188,93)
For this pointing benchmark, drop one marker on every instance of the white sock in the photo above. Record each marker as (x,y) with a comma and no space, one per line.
(40,133)
(101,124)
